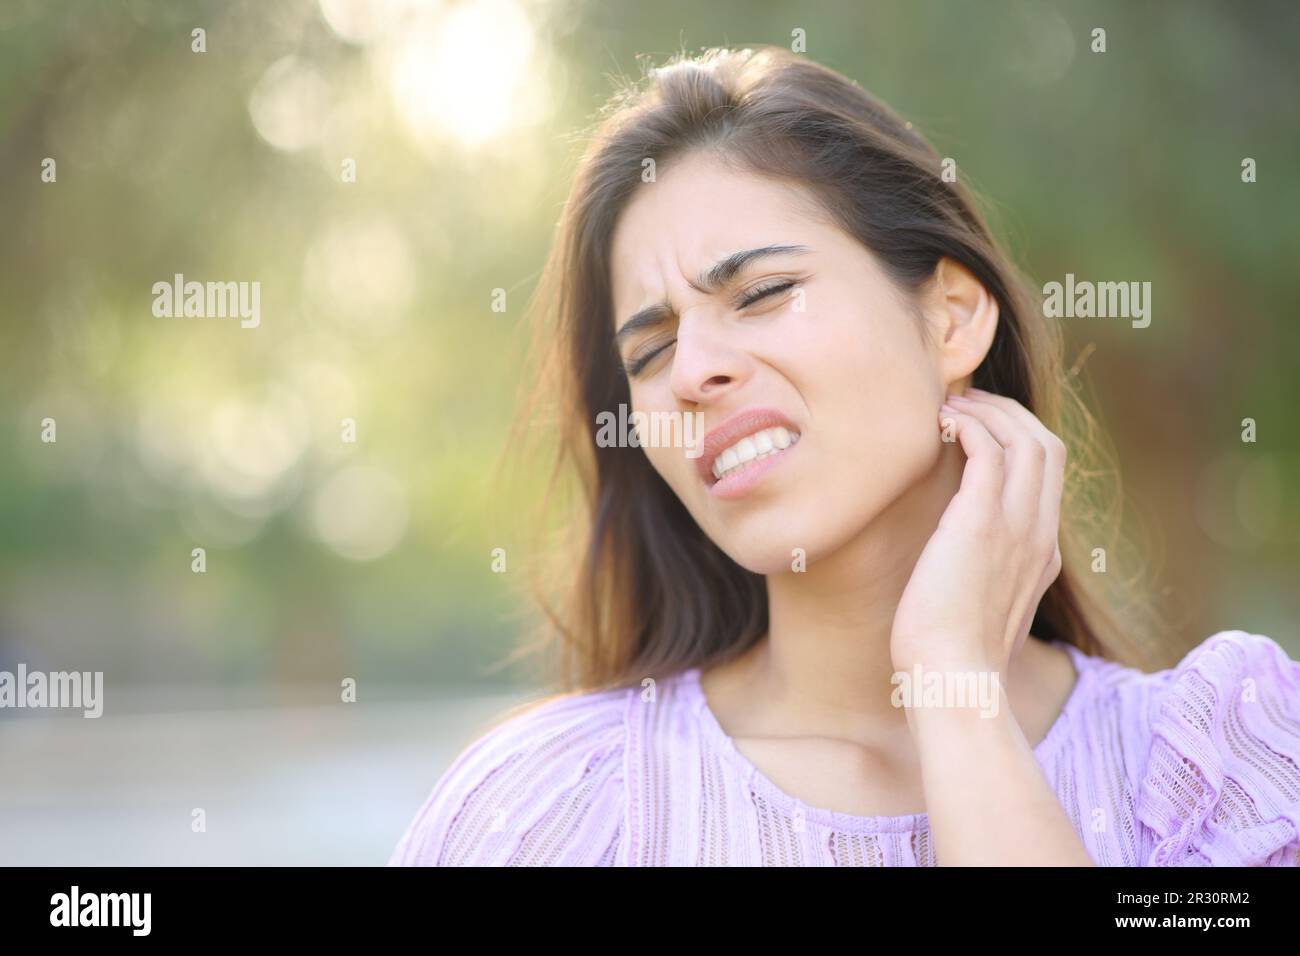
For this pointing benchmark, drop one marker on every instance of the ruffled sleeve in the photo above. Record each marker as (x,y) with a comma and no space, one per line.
(1221,786)
(544,787)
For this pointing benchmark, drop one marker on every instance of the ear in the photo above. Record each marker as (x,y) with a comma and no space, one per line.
(964,317)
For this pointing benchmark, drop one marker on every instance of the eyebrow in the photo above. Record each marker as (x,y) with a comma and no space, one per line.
(715,278)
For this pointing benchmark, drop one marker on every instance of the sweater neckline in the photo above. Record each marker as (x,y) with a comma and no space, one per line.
(848,822)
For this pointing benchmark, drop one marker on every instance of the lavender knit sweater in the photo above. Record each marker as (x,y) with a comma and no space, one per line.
(1197,765)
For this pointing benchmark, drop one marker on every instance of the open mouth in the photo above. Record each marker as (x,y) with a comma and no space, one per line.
(752,448)
(742,448)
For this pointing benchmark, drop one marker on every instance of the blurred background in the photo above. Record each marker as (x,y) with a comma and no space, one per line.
(372,559)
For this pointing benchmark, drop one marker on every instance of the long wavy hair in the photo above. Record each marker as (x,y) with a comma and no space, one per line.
(628,584)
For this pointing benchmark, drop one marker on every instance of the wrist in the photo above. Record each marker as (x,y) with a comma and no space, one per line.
(953,652)
(960,714)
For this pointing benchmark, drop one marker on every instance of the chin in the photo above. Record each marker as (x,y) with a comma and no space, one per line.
(769,548)
(763,541)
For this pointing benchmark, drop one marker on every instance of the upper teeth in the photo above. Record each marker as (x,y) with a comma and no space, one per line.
(759,445)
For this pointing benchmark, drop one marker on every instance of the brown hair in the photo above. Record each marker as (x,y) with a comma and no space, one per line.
(637,588)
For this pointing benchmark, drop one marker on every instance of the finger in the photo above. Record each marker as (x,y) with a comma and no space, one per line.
(982,477)
(1027,419)
(1056,451)
(1054,471)
(1026,460)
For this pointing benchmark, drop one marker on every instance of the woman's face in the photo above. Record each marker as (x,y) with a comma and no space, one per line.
(836,359)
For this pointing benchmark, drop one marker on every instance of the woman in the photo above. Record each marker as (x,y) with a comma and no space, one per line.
(840,630)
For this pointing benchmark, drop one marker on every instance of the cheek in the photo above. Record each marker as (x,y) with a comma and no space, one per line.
(675,469)
(652,399)
(874,413)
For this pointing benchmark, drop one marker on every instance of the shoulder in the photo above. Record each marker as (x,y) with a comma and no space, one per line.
(544,785)
(1220,781)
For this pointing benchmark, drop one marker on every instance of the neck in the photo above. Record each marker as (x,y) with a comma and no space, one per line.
(827,653)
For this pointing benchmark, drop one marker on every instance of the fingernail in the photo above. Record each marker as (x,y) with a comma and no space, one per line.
(949,409)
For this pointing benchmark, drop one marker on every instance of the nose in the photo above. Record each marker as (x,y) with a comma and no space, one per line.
(705,364)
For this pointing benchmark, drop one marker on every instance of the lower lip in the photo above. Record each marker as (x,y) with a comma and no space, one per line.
(739,483)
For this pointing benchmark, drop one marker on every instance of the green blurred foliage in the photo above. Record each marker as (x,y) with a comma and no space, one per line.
(377,295)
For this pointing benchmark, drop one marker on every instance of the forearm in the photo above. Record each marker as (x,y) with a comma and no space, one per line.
(987,799)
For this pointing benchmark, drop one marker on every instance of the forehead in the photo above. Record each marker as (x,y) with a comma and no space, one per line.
(698,211)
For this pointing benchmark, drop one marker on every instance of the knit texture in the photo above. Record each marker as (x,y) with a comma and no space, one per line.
(1197,765)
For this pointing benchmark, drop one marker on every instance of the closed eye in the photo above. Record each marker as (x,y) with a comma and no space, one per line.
(636,364)
(763,291)
(639,362)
